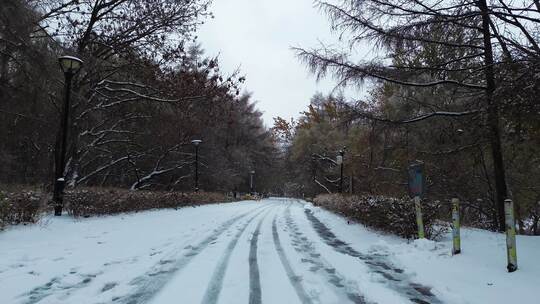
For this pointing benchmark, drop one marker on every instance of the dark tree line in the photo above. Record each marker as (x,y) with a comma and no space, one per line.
(455,85)
(145,91)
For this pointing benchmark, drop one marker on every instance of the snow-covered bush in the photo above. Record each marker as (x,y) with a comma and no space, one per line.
(531,225)
(100,201)
(20,207)
(393,215)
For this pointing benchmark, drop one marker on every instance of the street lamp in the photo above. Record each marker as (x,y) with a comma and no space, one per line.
(70,66)
(340,163)
(196,143)
(251,173)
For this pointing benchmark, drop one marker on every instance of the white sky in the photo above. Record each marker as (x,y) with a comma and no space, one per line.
(256,35)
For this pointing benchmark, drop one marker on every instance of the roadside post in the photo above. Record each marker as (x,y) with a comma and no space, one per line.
(416,191)
(456,248)
(510,235)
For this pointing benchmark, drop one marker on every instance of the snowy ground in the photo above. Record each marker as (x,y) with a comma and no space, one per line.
(272,251)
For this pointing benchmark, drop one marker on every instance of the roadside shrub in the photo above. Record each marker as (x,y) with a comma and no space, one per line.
(393,215)
(87,202)
(249,197)
(20,207)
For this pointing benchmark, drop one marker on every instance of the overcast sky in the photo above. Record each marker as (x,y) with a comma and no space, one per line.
(256,35)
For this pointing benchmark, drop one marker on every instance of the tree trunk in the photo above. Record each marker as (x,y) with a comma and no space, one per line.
(501,192)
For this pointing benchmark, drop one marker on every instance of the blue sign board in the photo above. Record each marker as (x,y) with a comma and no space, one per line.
(416,180)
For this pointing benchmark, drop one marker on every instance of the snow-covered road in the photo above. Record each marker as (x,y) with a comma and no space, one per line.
(271,251)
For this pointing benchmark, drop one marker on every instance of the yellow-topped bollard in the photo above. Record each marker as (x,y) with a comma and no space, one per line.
(456,237)
(511,251)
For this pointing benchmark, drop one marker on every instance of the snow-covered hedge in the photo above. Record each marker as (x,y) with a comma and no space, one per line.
(19,207)
(100,201)
(394,215)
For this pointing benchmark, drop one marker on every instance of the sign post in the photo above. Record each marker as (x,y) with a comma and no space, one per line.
(455,227)
(419,219)
(416,190)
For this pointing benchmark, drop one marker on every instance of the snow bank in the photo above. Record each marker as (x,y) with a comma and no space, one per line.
(477,275)
(64,260)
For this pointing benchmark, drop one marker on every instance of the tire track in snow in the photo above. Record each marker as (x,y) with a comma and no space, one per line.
(393,276)
(213,290)
(346,291)
(255,296)
(148,284)
(293,278)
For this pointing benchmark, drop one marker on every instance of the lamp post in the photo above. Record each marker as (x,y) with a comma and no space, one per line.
(70,66)
(196,143)
(251,173)
(313,169)
(340,163)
